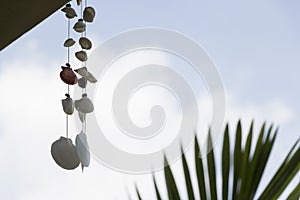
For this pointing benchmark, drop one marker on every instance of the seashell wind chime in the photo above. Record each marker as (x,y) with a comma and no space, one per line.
(64,152)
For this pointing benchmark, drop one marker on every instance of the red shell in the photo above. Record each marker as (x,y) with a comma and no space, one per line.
(68,76)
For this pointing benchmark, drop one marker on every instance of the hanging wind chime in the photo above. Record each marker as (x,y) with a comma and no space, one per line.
(64,152)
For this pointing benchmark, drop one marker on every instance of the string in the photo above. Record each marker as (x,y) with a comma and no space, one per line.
(82,129)
(67,117)
(85,27)
(68,58)
(67,126)
(81,11)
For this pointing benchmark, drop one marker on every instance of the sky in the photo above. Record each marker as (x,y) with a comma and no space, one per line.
(255,46)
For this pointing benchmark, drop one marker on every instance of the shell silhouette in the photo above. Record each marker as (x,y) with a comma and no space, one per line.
(81,55)
(85,43)
(82,149)
(79,26)
(89,14)
(79,2)
(82,82)
(70,12)
(68,105)
(69,42)
(67,75)
(86,74)
(84,105)
(64,153)
(81,116)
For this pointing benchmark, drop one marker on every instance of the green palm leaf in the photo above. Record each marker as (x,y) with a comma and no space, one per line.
(237,159)
(295,194)
(188,182)
(225,163)
(247,169)
(200,171)
(138,193)
(170,183)
(245,165)
(212,171)
(156,188)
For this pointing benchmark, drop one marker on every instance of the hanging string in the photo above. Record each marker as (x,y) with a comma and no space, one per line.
(82,129)
(85,2)
(81,10)
(68,38)
(67,118)
(67,127)
(85,125)
(68,89)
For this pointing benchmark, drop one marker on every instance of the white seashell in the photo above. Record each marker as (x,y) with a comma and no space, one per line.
(69,42)
(84,105)
(89,14)
(70,12)
(81,55)
(86,74)
(68,105)
(82,82)
(85,43)
(82,116)
(64,153)
(79,26)
(82,149)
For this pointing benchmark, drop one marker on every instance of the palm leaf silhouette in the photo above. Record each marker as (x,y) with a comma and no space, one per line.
(247,169)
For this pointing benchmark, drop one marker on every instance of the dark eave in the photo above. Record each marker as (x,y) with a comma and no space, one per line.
(18,17)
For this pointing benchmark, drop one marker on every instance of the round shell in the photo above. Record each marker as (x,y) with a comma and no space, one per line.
(79,26)
(89,14)
(69,42)
(70,12)
(68,76)
(64,153)
(81,55)
(84,105)
(85,43)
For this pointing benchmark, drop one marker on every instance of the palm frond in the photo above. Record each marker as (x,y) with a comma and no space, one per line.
(247,169)
(188,181)
(295,194)
(212,172)
(170,183)
(158,196)
(200,170)
(225,163)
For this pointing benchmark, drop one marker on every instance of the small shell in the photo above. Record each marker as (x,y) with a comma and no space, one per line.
(69,42)
(68,105)
(82,149)
(85,43)
(64,153)
(81,55)
(82,116)
(86,74)
(84,105)
(82,82)
(67,75)
(89,14)
(79,2)
(79,26)
(70,12)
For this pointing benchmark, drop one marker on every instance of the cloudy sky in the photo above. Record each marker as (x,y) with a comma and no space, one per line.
(255,46)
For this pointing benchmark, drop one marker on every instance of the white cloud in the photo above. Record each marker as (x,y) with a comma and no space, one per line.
(31,119)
